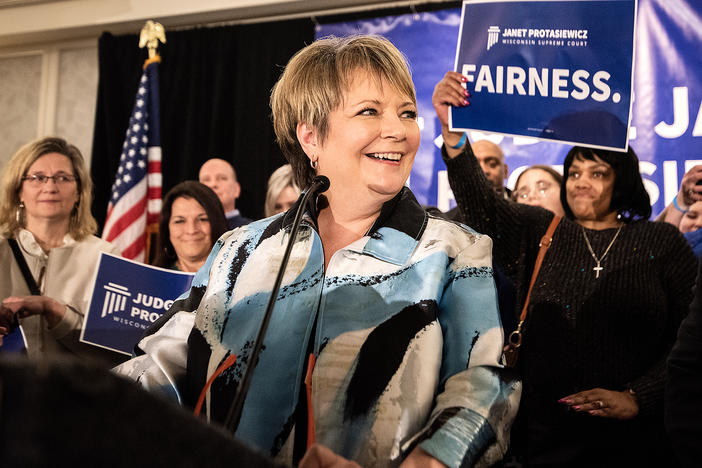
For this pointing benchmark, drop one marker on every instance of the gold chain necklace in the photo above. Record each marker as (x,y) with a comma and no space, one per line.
(598,268)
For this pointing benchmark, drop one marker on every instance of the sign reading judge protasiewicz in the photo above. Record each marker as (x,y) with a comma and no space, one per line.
(127,298)
(553,70)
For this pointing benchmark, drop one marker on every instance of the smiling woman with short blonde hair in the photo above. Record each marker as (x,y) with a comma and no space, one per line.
(314,83)
(397,308)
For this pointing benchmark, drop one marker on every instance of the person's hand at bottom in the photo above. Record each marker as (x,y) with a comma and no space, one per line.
(603,403)
(319,456)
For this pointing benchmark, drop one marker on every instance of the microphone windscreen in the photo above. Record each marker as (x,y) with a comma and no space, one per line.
(322,183)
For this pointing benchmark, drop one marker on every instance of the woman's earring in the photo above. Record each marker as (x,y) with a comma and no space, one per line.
(313,163)
(19,212)
(74,215)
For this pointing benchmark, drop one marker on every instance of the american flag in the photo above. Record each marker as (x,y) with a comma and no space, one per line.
(136,192)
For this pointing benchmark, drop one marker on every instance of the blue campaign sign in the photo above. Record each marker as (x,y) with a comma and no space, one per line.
(15,342)
(127,298)
(554,70)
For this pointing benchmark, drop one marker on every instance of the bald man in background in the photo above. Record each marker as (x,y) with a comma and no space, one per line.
(220,176)
(492,162)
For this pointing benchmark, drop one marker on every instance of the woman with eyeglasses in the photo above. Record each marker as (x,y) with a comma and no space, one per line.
(45,213)
(539,185)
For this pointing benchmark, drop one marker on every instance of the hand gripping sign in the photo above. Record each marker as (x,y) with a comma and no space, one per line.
(554,70)
(127,298)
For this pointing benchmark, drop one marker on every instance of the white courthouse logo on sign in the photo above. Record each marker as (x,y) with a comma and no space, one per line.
(127,298)
(493,36)
(115,299)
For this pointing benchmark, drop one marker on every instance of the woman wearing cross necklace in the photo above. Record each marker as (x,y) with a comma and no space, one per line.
(603,313)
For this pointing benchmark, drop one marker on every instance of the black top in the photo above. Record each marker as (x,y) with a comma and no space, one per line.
(612,332)
(238,221)
(683,406)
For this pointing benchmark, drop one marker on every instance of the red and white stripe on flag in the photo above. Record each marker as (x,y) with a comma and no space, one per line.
(136,191)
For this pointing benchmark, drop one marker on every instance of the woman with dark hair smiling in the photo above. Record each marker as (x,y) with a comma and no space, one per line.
(191,220)
(617,193)
(603,312)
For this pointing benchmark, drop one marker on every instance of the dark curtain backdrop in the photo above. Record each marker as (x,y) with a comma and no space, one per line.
(215,85)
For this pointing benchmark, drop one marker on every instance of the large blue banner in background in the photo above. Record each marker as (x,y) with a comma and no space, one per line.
(666,123)
(556,70)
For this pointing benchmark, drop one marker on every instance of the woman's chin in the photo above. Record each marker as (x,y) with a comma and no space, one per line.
(192,256)
(386,190)
(581,211)
(53,215)
(387,185)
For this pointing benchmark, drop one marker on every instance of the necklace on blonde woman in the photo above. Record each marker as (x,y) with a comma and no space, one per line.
(598,261)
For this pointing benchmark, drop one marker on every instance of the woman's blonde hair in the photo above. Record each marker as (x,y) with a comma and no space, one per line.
(316,80)
(281,178)
(82,222)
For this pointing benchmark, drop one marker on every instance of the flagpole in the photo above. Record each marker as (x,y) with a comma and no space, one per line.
(150,35)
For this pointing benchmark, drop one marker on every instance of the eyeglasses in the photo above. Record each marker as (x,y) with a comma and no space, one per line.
(37,180)
(541,189)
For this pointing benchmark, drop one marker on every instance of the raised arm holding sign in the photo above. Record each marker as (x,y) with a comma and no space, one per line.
(554,70)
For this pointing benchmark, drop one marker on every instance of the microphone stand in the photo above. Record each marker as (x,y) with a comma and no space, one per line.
(319,185)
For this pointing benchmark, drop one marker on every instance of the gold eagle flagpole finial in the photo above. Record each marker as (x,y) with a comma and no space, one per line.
(151,34)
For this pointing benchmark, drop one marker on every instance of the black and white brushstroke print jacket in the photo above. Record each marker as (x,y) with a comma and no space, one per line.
(403,322)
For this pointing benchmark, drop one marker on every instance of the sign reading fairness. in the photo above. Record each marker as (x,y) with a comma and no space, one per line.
(554,70)
(127,298)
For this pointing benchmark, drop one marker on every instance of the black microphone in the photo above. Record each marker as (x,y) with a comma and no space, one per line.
(319,184)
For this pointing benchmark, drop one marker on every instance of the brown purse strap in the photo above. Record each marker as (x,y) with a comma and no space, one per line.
(515,338)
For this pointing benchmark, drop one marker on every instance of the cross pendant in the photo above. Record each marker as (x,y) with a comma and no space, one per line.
(597,270)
